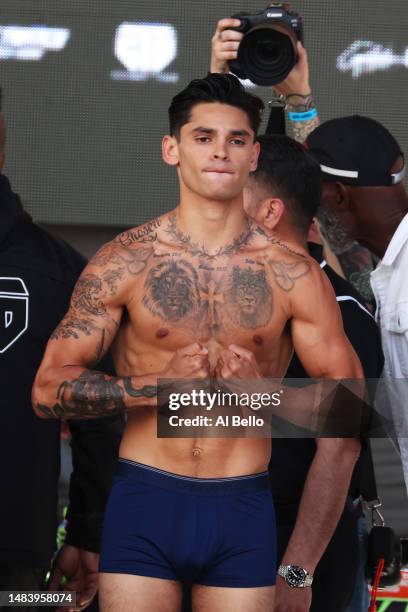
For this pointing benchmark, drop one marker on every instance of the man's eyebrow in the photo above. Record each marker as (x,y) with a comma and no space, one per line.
(204,130)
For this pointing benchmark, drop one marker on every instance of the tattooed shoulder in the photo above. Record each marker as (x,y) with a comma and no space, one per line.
(118,259)
(143,234)
(286,272)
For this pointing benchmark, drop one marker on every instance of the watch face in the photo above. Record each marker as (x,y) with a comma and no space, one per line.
(296,576)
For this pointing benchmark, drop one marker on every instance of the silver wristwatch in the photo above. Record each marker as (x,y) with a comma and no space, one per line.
(295,576)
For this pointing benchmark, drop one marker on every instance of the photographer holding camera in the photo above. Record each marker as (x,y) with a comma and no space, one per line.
(272,48)
(341,557)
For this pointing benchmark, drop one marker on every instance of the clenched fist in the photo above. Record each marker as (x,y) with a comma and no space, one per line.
(188,362)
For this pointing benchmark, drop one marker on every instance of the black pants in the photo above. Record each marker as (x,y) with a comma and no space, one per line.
(17,577)
(335,575)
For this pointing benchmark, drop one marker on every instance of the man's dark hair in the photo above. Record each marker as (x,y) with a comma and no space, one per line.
(222,88)
(286,170)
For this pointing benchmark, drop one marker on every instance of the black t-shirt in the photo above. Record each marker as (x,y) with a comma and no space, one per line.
(291,458)
(37,276)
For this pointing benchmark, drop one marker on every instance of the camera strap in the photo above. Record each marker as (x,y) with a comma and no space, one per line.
(276,122)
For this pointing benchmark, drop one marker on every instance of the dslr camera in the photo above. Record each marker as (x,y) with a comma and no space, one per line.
(268,52)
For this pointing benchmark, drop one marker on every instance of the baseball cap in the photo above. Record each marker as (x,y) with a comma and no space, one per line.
(357,151)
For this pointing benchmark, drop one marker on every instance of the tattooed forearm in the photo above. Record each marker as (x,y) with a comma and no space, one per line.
(300,130)
(286,274)
(146,391)
(94,394)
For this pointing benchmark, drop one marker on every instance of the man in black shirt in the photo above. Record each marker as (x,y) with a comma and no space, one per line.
(301,467)
(37,276)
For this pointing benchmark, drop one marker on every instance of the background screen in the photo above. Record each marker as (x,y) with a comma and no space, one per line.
(86,87)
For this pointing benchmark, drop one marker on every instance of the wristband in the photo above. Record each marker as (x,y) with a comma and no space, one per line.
(306,116)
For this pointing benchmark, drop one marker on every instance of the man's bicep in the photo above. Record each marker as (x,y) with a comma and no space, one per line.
(318,335)
(90,325)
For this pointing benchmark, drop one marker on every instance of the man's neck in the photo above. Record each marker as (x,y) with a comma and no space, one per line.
(210,224)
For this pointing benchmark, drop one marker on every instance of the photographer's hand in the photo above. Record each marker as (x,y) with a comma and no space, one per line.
(224,44)
(298,79)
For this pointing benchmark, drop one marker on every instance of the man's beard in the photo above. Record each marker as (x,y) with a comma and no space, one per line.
(334,231)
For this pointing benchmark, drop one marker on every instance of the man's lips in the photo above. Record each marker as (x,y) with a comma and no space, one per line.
(218,170)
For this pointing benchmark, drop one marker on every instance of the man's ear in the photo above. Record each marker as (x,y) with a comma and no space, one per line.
(170,151)
(342,196)
(256,148)
(270,212)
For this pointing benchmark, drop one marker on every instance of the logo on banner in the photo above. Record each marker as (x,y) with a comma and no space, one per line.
(146,50)
(30,43)
(366,57)
(13,311)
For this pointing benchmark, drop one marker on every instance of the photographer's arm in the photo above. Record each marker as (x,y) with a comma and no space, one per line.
(224,47)
(301,112)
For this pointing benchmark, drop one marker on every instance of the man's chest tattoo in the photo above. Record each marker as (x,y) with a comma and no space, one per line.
(202,296)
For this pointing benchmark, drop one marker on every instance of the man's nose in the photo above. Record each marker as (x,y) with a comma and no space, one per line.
(220,150)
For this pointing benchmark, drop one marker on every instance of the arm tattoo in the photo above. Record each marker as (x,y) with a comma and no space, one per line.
(70,325)
(192,248)
(86,296)
(300,130)
(286,274)
(94,394)
(146,391)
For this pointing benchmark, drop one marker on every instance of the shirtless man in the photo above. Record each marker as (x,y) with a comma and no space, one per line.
(199,290)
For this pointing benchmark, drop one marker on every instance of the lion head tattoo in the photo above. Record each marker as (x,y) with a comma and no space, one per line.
(172,290)
(249,298)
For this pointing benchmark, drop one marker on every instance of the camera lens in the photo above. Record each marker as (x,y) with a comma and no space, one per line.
(267,54)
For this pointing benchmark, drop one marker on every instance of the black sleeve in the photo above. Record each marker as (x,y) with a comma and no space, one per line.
(95,445)
(364,335)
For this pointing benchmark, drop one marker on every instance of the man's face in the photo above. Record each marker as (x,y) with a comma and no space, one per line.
(216,151)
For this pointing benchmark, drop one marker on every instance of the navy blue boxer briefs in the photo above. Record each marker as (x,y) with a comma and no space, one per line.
(215,532)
